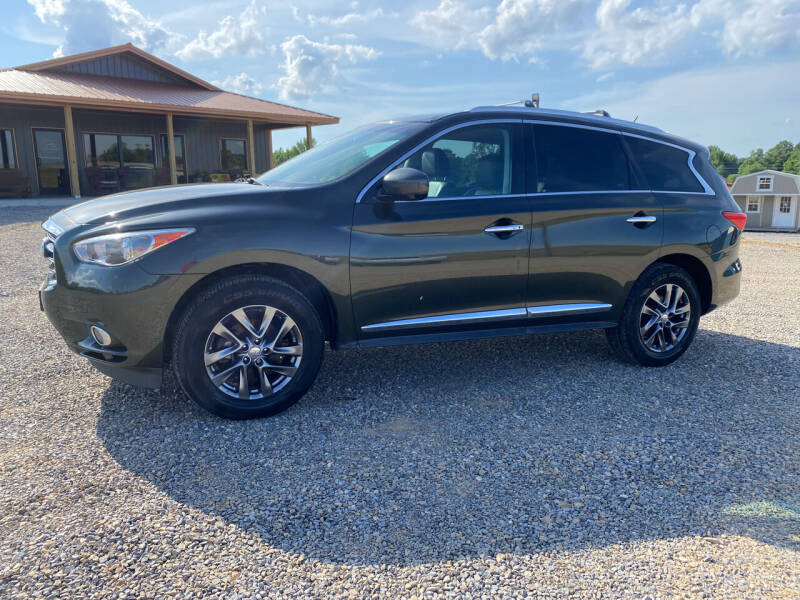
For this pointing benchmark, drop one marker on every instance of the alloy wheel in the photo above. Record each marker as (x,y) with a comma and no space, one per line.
(665,317)
(253,352)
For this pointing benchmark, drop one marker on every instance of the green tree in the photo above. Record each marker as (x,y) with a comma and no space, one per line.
(724,162)
(280,155)
(776,156)
(792,164)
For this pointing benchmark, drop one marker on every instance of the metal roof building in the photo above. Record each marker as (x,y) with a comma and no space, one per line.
(120,118)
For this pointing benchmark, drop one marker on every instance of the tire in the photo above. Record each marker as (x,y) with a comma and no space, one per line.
(211,339)
(627,339)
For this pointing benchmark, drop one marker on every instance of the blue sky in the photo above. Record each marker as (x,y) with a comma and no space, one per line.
(723,72)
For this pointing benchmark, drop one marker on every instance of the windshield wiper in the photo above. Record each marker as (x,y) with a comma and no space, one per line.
(250,180)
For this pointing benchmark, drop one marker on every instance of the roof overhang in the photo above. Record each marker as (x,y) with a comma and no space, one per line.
(278,121)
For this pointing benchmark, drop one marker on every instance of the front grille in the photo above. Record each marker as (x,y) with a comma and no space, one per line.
(48,249)
(52,231)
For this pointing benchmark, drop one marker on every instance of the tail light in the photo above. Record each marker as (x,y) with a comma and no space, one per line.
(737,218)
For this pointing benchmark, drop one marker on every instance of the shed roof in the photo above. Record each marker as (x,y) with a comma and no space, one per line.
(783,183)
(48,83)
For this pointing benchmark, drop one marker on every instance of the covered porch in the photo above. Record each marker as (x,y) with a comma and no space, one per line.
(79,151)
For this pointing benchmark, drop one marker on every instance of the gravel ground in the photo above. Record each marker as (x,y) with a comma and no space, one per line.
(516,467)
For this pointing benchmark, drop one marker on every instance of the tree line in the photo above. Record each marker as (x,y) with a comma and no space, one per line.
(783,156)
(282,155)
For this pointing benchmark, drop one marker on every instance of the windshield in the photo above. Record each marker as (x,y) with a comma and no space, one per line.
(340,156)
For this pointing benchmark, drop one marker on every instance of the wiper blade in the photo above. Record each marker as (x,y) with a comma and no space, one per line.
(250,180)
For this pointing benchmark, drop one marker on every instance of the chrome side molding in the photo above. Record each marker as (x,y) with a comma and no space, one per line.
(490,315)
(450,319)
(551,310)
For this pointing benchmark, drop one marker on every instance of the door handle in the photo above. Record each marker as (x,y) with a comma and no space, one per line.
(510,228)
(641,219)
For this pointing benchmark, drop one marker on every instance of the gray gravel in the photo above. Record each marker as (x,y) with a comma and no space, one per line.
(534,466)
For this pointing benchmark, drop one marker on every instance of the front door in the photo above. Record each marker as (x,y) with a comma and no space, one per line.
(784,211)
(596,226)
(51,161)
(457,259)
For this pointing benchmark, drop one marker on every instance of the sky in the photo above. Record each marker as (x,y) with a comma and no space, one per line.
(724,72)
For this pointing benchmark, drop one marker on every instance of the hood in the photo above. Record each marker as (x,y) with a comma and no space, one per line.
(147,202)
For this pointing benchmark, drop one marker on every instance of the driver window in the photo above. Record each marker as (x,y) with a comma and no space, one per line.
(471,161)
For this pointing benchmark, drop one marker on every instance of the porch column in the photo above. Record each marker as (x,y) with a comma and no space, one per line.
(308,136)
(270,159)
(72,153)
(252,154)
(173,163)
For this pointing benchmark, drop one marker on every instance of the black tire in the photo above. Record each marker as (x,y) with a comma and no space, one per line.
(212,305)
(625,339)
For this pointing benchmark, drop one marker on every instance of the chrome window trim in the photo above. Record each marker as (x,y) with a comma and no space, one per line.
(490,315)
(691,153)
(421,145)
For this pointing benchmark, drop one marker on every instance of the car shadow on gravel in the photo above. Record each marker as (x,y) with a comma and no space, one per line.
(417,454)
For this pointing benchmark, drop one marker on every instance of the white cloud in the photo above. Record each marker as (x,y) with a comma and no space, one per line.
(522,27)
(754,28)
(235,36)
(453,24)
(312,67)
(349,19)
(634,37)
(619,33)
(92,24)
(241,84)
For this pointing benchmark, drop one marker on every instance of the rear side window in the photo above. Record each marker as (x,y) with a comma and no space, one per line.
(665,168)
(571,159)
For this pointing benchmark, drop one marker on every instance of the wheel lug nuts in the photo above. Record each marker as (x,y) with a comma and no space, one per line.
(259,362)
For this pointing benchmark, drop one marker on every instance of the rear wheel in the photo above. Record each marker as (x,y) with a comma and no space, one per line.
(659,319)
(248,347)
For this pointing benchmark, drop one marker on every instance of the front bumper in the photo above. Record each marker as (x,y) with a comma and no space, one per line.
(134,306)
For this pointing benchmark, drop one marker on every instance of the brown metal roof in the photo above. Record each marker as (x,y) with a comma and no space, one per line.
(37,85)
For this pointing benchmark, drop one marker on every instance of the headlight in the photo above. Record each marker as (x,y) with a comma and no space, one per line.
(120,248)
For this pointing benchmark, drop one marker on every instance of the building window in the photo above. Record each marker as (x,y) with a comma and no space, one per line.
(127,159)
(234,155)
(785,205)
(753,204)
(180,155)
(764,184)
(8,156)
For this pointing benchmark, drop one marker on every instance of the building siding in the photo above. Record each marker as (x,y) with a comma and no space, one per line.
(22,120)
(125,66)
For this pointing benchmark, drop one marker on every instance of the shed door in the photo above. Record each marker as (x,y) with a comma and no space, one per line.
(784,210)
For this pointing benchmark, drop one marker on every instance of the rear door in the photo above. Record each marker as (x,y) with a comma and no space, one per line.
(596,225)
(457,259)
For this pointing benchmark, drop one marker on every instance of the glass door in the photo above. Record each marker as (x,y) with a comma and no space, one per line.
(51,161)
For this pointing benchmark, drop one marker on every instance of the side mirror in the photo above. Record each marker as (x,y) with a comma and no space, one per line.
(405,184)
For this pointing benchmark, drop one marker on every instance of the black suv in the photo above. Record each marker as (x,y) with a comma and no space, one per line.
(488,222)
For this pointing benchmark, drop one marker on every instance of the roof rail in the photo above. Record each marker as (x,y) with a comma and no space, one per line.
(532,103)
(600,112)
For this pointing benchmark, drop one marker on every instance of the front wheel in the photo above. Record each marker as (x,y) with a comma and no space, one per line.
(659,319)
(248,347)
